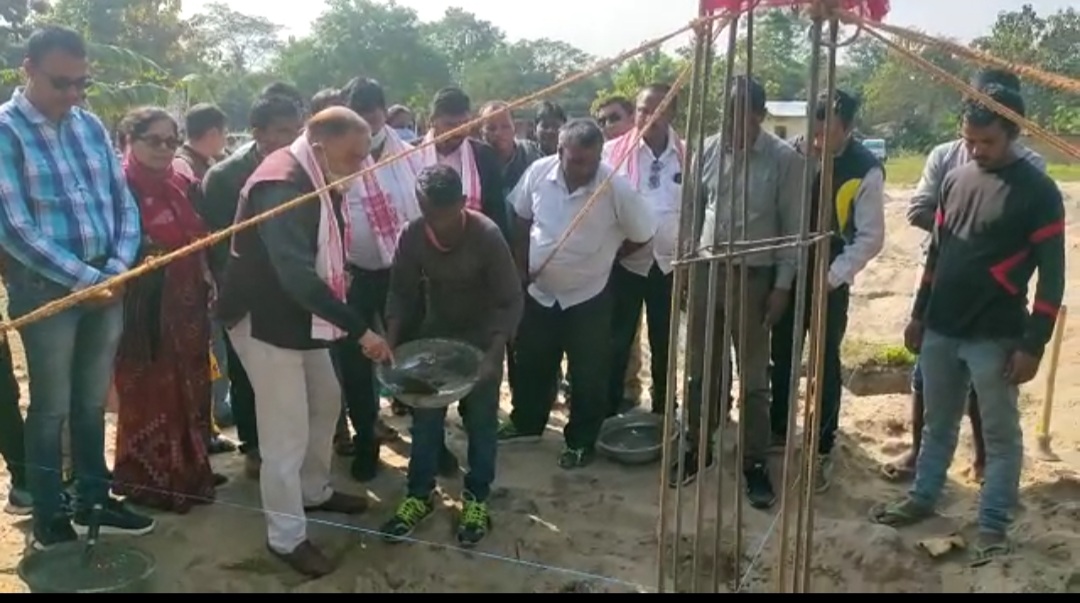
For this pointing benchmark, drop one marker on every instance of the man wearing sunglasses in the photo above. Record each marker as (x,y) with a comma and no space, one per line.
(67,222)
(614,116)
(651,157)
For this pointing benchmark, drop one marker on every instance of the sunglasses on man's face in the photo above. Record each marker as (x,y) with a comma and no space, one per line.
(158,142)
(67,83)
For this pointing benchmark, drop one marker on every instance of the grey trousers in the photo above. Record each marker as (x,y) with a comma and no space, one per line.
(752,361)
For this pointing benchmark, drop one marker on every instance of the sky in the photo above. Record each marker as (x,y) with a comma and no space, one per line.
(607,27)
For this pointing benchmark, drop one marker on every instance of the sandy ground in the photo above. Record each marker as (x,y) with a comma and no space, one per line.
(594,529)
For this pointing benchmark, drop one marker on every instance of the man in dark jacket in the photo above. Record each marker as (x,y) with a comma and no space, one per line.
(476,162)
(275,122)
(283,299)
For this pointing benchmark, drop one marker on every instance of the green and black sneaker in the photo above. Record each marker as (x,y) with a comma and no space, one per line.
(409,514)
(508,432)
(574,458)
(475,521)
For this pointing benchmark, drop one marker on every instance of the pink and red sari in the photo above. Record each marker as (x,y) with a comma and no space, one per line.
(162,367)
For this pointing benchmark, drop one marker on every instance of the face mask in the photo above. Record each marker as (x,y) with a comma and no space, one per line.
(406,134)
(379,139)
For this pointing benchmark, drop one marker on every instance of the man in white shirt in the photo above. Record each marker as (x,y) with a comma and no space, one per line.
(568,306)
(380,203)
(653,166)
(858,227)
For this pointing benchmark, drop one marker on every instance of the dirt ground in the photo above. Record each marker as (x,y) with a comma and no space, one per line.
(594,529)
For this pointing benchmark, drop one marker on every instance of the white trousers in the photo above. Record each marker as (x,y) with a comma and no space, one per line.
(297,401)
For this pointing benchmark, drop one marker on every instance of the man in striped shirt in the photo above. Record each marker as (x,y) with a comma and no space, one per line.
(67,221)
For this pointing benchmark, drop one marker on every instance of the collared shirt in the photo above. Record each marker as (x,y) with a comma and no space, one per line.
(660,183)
(64,200)
(397,181)
(579,270)
(773,206)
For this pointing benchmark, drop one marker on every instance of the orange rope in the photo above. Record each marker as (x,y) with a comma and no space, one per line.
(600,190)
(968,90)
(1050,80)
(104,290)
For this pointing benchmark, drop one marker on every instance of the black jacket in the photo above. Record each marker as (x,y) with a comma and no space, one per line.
(492,195)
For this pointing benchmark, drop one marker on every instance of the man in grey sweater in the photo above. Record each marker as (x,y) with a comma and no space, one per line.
(920,214)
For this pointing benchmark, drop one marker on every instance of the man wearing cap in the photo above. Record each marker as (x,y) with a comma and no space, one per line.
(858,235)
(772,210)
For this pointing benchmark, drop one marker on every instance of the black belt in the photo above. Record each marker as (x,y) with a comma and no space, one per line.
(365,273)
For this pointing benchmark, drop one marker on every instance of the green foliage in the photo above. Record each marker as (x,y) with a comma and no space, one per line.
(1051,43)
(146,51)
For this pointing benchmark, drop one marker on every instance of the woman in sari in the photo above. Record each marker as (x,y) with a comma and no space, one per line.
(162,368)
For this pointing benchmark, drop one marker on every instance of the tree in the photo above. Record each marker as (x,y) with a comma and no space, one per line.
(1052,44)
(154,29)
(360,37)
(463,39)
(781,53)
(235,42)
(864,58)
(909,106)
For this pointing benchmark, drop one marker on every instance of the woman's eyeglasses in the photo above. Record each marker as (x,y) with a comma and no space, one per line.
(160,143)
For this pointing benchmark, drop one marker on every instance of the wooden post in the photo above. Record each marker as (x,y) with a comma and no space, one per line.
(1042,432)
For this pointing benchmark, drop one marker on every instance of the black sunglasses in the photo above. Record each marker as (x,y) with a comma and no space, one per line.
(170,143)
(66,83)
(609,119)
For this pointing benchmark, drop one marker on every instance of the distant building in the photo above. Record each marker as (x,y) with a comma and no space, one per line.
(786,119)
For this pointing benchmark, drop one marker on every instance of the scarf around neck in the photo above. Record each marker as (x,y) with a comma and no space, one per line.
(470,174)
(388,194)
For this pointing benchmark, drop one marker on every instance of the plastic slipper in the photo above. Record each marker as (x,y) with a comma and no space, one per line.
(892,472)
(898,514)
(984,554)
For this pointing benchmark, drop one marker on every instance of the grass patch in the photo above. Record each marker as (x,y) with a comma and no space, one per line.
(856,353)
(905,170)
(1063,172)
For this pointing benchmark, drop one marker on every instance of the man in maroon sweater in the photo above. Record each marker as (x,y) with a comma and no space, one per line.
(1000,219)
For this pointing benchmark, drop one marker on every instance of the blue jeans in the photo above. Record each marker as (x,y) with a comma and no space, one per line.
(480,414)
(69,359)
(948,366)
(916,378)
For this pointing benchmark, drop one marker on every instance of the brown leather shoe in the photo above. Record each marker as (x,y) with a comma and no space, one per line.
(346,504)
(307,560)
